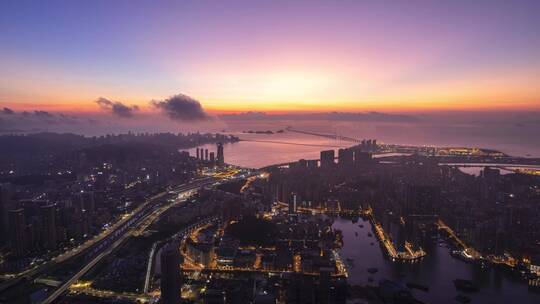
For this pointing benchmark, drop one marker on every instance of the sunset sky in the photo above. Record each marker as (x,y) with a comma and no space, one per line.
(274,56)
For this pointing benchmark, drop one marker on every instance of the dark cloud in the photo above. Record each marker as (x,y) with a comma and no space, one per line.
(52,119)
(181,108)
(43,114)
(67,116)
(117,108)
(37,120)
(7,111)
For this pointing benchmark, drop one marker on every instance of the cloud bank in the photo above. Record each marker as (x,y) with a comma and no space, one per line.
(33,121)
(181,107)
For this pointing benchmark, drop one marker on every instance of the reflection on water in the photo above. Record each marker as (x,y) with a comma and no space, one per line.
(437,270)
(260,150)
(257,154)
(476,169)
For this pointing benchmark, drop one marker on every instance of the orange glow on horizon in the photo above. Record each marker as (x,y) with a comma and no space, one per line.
(224,107)
(276,58)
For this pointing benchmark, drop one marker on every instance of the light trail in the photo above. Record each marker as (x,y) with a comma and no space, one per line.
(110,294)
(53,296)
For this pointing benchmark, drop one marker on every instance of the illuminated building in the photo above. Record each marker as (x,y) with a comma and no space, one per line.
(200,253)
(220,156)
(293,203)
(227,251)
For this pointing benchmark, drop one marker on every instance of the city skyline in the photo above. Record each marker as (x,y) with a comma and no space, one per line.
(269,152)
(276,57)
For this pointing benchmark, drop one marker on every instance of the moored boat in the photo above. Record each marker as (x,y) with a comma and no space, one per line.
(465,285)
(462,299)
(421,287)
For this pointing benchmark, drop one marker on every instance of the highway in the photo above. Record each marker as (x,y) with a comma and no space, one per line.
(85,287)
(125,234)
(149,268)
(126,221)
(140,298)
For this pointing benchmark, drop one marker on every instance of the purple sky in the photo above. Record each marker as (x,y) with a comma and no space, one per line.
(272,55)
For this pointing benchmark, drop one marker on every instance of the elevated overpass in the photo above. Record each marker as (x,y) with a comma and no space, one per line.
(120,236)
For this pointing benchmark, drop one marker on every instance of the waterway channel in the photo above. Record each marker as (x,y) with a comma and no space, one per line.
(437,270)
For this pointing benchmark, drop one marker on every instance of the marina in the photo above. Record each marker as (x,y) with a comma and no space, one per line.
(436,271)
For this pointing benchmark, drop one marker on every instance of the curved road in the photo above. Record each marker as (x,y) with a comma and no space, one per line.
(126,234)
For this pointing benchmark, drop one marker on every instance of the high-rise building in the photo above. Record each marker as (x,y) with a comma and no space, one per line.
(6,204)
(300,164)
(491,174)
(212,157)
(362,158)
(220,156)
(206,154)
(284,194)
(88,202)
(327,159)
(369,145)
(312,163)
(345,157)
(48,218)
(17,225)
(324,287)
(422,200)
(171,277)
(293,203)
(198,153)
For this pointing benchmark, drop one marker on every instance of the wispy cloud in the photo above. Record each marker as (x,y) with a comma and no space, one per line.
(117,108)
(7,111)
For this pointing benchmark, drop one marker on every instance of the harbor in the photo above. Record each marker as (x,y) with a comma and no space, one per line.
(437,270)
